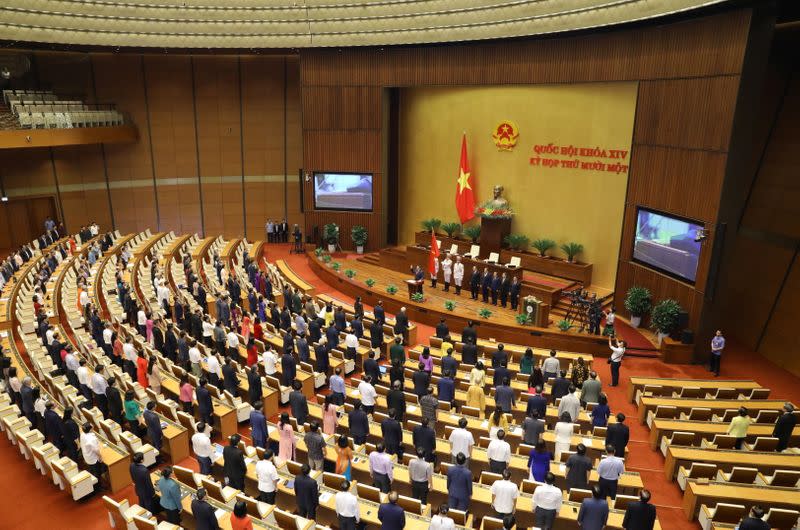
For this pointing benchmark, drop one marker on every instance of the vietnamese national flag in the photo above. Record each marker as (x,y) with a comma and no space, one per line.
(465,199)
(434,254)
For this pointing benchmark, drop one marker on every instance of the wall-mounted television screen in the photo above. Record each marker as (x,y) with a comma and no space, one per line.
(343,191)
(667,243)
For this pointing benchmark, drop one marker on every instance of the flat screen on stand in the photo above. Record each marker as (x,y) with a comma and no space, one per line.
(667,243)
(343,191)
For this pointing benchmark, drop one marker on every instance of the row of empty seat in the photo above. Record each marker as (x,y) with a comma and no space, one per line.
(44,110)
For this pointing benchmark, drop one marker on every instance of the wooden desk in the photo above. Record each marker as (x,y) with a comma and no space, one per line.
(717,406)
(725,460)
(710,385)
(294,279)
(710,493)
(707,430)
(515,351)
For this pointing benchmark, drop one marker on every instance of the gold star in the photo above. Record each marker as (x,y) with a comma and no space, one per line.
(463,181)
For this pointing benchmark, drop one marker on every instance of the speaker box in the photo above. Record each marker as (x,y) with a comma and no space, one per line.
(687,336)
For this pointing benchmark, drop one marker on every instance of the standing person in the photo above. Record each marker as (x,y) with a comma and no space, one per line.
(392,516)
(315,444)
(153,423)
(286,443)
(420,472)
(368,395)
(358,421)
(344,457)
(504,495)
(459,484)
(204,404)
(717,345)
(609,470)
(70,434)
(578,467)
(784,427)
(590,391)
(381,468)
(570,404)
(234,467)
(461,443)
(203,450)
(755,521)
(441,521)
(392,433)
(593,514)
(330,416)
(430,407)
(617,353)
(532,428)
(142,483)
(601,412)
(267,476)
(298,403)
(618,434)
(347,510)
(641,515)
(90,450)
(205,515)
(738,427)
(499,453)
(547,501)
(514,291)
(539,461)
(458,274)
(240,520)
(564,430)
(396,400)
(258,425)
(170,498)
(551,367)
(306,491)
(447,271)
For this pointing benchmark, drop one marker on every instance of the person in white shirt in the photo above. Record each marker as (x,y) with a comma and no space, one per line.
(351,343)
(141,319)
(368,394)
(267,478)
(440,521)
(84,299)
(194,359)
(551,366)
(232,342)
(617,353)
(162,293)
(570,404)
(83,379)
(99,385)
(499,453)
(270,360)
(461,441)
(208,331)
(504,495)
(347,508)
(563,429)
(214,369)
(49,335)
(203,450)
(108,336)
(90,450)
(547,501)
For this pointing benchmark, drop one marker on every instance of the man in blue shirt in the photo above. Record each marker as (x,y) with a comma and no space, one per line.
(504,396)
(717,345)
(446,388)
(336,384)
(392,516)
(449,363)
(459,484)
(594,511)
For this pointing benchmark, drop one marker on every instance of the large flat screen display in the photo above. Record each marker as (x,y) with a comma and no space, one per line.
(343,191)
(667,243)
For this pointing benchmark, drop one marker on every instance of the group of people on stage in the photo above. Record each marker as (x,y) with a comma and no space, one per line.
(490,285)
(277,232)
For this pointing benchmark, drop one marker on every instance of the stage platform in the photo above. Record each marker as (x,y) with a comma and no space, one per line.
(501,325)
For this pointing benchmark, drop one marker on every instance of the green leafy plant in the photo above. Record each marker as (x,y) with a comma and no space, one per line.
(543,245)
(638,301)
(449,305)
(431,224)
(326,258)
(517,241)
(336,266)
(571,249)
(522,319)
(319,251)
(473,232)
(563,325)
(391,289)
(665,316)
(484,313)
(370,282)
(330,233)
(359,235)
(451,228)
(417,297)
(350,273)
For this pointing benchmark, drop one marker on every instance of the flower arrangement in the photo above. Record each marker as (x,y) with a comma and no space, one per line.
(370,282)
(487,210)
(417,297)
(449,305)
(392,289)
(350,273)
(484,313)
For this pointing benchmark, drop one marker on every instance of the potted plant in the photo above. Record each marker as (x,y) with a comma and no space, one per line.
(370,282)
(563,325)
(484,313)
(319,251)
(522,319)
(516,241)
(473,232)
(449,305)
(350,273)
(431,225)
(665,317)
(359,236)
(392,289)
(451,228)
(638,302)
(572,249)
(330,233)
(417,297)
(336,266)
(543,245)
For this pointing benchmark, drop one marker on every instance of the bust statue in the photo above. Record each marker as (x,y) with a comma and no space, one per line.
(498,202)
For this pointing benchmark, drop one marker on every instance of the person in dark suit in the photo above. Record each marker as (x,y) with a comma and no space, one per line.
(423,437)
(357,326)
(538,403)
(469,351)
(449,363)
(205,516)
(784,427)
(505,289)
(114,399)
(469,333)
(234,467)
(153,423)
(53,426)
(474,283)
(593,514)
(422,380)
(70,433)
(204,403)
(617,434)
(497,283)
(392,433)
(401,324)
(322,354)
(379,312)
(560,386)
(339,319)
(288,368)
(376,334)
(392,516)
(255,391)
(230,381)
(142,483)
(459,484)
(306,491)
(501,373)
(446,387)
(26,395)
(371,368)
(358,422)
(640,515)
(755,521)
(442,330)
(486,285)
(513,293)
(314,330)
(298,403)
(396,400)
(499,355)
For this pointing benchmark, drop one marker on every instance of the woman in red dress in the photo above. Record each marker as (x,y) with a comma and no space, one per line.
(141,371)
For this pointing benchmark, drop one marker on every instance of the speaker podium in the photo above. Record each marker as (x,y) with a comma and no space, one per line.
(493,231)
(414,286)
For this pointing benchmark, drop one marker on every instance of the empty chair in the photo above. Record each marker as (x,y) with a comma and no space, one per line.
(723,393)
(721,513)
(662,411)
(697,414)
(726,416)
(80,483)
(491,523)
(120,514)
(766,416)
(186,476)
(474,251)
(488,478)
(494,257)
(224,494)
(782,519)
(763,443)
(578,494)
(514,263)
(677,438)
(454,249)
(720,441)
(783,478)
(689,392)
(695,471)
(756,393)
(740,475)
(147,522)
(622,501)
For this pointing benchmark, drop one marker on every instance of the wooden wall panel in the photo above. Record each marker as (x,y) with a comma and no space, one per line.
(82,186)
(780,338)
(294,141)
(68,74)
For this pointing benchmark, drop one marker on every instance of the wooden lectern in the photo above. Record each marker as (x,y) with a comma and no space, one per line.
(493,231)
(414,286)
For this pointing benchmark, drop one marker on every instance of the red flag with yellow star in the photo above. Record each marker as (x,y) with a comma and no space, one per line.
(465,199)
